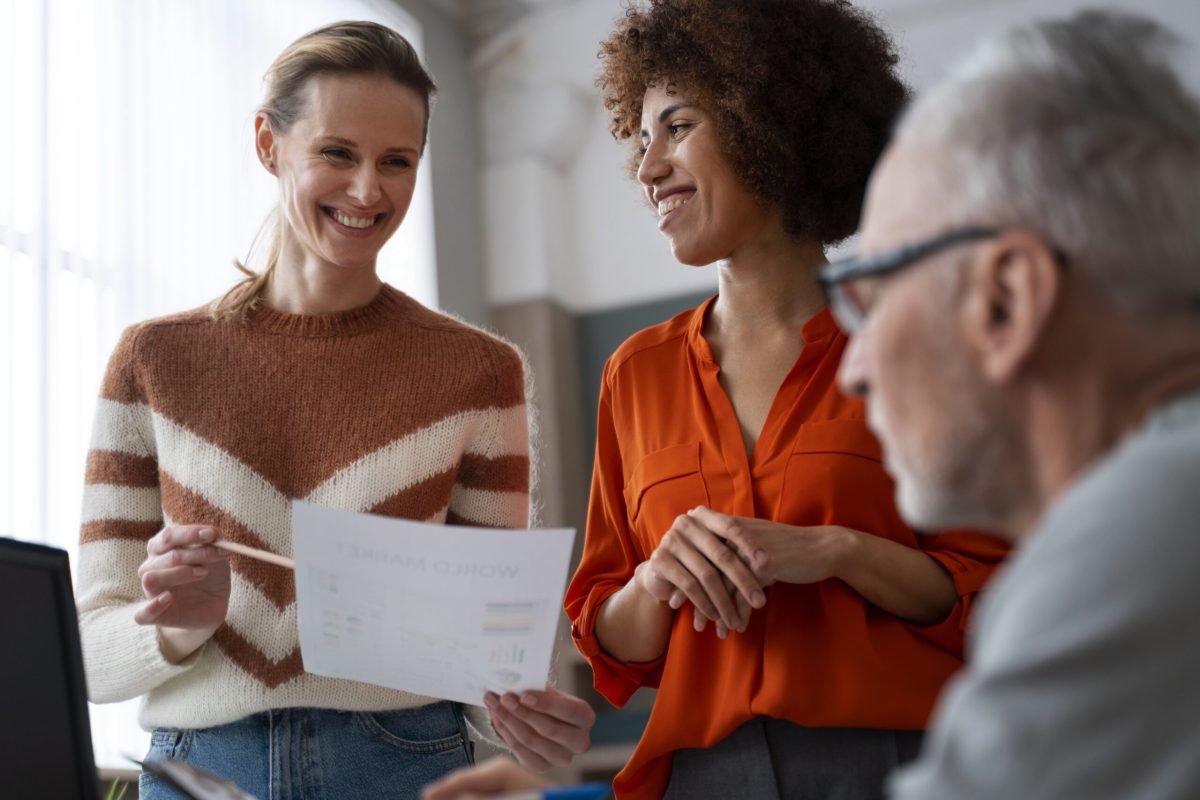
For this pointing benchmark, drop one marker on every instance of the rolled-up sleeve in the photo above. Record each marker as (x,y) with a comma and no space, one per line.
(609,559)
(971,558)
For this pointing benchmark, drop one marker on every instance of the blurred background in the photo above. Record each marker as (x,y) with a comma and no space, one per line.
(128,184)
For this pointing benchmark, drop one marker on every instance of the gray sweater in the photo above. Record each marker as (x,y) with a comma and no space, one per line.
(1084,677)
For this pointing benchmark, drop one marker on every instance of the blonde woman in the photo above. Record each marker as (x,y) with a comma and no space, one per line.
(312,379)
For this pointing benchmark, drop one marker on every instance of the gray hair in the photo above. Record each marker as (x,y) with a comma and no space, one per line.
(1084,131)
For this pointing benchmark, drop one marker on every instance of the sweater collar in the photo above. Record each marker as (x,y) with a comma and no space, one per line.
(340,323)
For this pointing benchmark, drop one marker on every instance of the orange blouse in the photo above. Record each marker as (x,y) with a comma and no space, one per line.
(819,655)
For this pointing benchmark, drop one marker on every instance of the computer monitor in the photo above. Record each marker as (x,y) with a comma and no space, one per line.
(45,738)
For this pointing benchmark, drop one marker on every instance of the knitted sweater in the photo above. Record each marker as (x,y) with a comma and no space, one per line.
(391,409)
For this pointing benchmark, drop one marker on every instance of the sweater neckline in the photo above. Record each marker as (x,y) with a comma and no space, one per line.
(339,323)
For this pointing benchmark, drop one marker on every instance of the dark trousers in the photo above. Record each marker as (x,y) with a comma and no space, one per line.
(770,759)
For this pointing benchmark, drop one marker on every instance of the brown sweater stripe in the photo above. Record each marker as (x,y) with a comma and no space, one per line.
(276,583)
(251,659)
(503,474)
(121,469)
(100,530)
(421,501)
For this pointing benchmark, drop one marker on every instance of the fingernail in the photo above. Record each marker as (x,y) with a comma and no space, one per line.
(206,534)
(508,701)
(489,700)
(529,699)
(760,556)
(199,571)
(676,601)
(720,633)
(758,599)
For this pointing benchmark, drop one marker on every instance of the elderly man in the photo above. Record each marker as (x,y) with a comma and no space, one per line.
(1026,330)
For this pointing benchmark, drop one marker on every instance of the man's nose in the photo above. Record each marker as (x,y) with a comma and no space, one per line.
(852,374)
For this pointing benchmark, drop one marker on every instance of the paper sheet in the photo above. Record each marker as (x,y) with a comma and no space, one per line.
(437,610)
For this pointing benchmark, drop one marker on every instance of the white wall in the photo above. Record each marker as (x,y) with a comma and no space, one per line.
(453,162)
(562,220)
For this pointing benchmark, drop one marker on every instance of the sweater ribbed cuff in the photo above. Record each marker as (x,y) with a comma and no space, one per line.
(125,659)
(479,721)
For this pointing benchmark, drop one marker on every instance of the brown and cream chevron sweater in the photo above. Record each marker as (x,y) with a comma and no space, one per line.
(391,408)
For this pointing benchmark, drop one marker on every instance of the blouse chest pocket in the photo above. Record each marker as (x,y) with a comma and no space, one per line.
(663,485)
(835,476)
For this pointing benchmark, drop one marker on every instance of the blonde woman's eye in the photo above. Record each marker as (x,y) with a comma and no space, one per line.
(335,154)
(400,163)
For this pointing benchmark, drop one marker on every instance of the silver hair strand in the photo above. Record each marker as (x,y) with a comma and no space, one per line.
(1085,130)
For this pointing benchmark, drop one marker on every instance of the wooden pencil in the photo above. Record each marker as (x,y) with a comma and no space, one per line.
(254,552)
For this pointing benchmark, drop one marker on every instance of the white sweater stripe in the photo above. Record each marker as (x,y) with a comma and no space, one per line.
(381,474)
(123,428)
(488,507)
(276,640)
(102,501)
(225,482)
(502,433)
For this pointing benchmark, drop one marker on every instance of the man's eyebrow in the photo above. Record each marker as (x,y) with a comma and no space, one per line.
(666,112)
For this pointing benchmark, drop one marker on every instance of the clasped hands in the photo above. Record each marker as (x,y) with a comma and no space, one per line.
(721,564)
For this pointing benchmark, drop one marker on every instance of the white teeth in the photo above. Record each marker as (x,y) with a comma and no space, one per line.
(671,203)
(353,222)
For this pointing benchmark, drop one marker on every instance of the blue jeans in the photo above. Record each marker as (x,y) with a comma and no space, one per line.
(310,753)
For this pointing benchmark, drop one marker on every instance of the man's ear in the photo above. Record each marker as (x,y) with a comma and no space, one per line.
(1015,282)
(264,142)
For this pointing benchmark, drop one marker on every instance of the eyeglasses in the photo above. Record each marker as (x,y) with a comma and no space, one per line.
(837,277)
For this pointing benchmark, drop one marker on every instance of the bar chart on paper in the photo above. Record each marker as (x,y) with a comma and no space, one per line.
(430,609)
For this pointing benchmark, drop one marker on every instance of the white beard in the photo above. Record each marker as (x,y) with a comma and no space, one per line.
(960,486)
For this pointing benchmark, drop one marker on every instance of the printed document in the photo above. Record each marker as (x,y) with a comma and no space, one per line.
(437,610)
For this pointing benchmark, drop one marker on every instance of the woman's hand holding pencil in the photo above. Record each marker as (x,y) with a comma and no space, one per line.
(186,582)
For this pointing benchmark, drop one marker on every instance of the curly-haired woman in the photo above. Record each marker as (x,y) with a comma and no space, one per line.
(733,483)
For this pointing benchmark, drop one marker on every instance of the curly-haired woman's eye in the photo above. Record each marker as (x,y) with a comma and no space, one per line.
(677,128)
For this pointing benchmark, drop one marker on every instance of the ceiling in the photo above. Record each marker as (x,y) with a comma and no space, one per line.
(484,19)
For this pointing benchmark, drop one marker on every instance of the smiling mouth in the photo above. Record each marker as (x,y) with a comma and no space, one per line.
(351,221)
(669,204)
